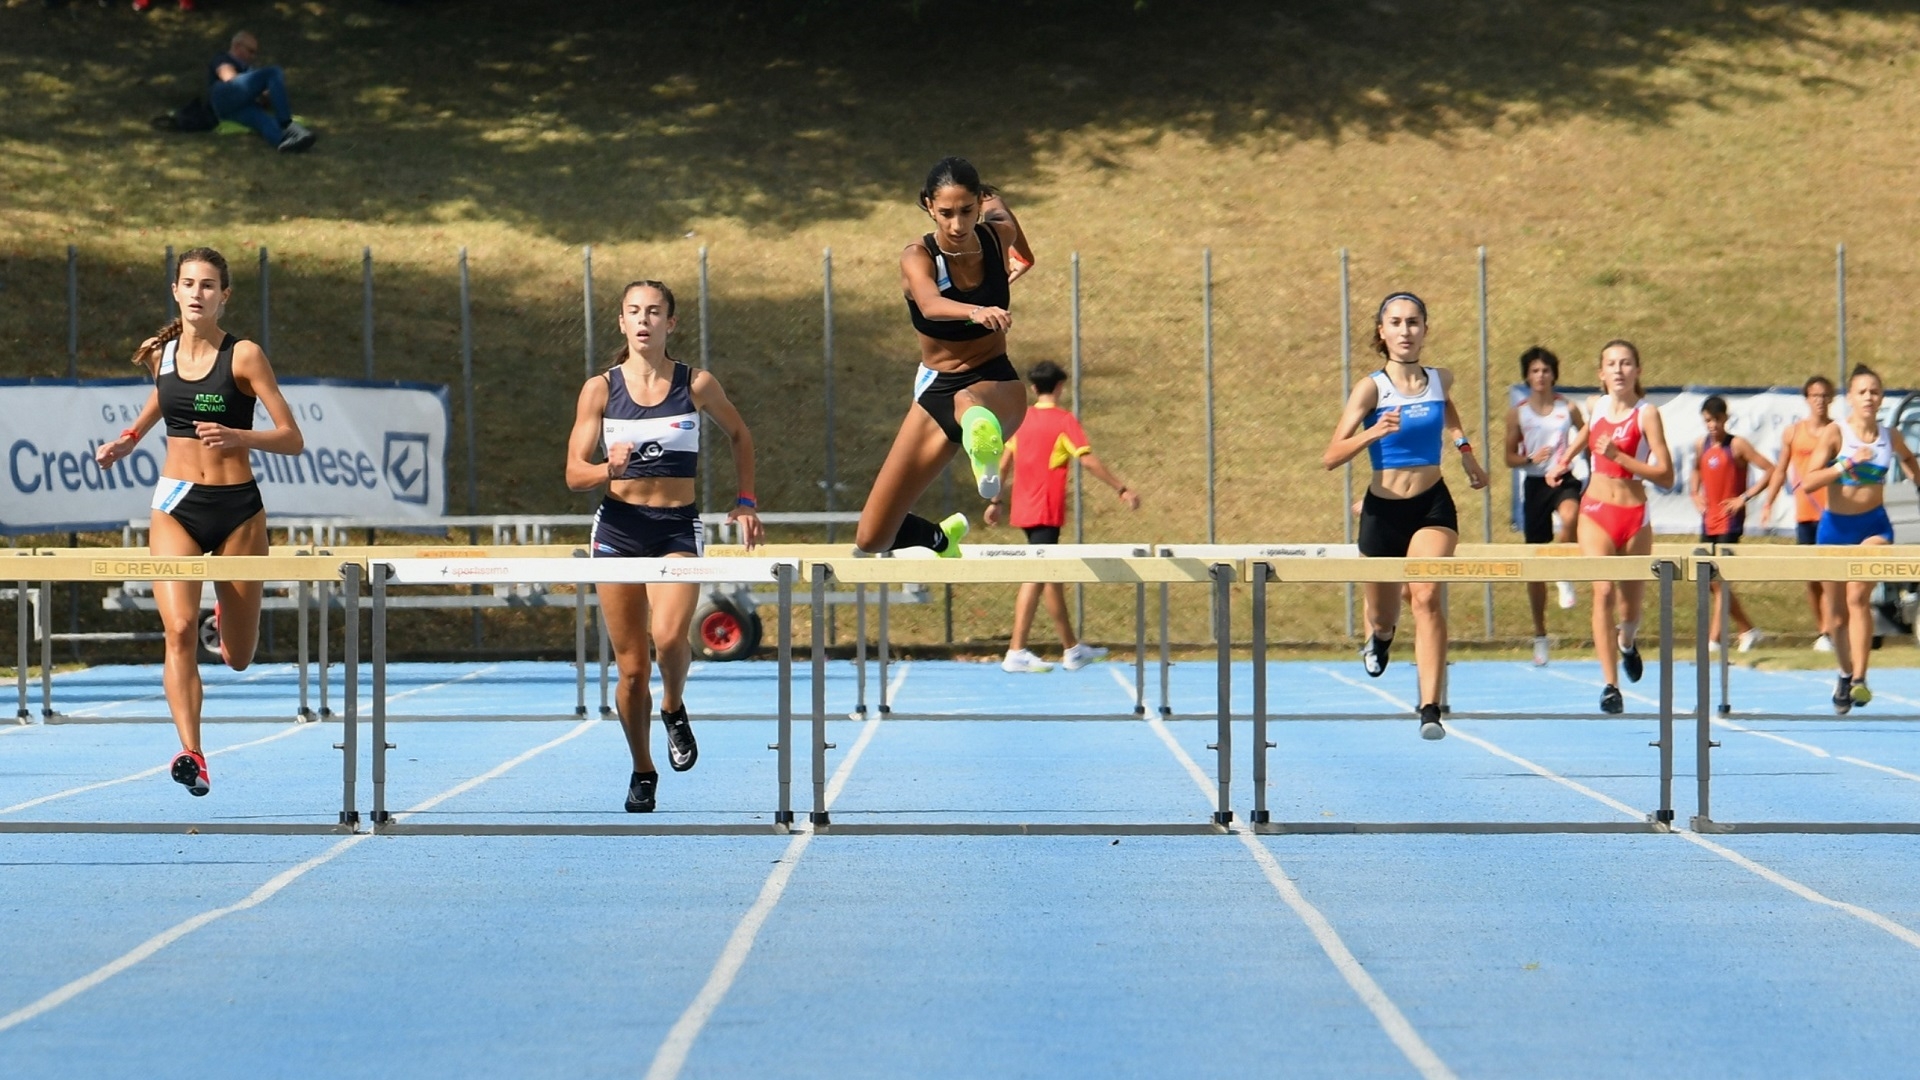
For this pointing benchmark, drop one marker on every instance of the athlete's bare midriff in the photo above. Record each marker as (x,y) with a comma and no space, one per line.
(659,491)
(1617,490)
(956,356)
(1404,483)
(191,460)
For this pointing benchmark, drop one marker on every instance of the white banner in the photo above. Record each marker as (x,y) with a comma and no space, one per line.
(374,449)
(1762,418)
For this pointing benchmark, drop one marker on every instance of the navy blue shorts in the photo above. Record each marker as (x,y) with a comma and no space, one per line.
(623,530)
(1043,535)
(1806,532)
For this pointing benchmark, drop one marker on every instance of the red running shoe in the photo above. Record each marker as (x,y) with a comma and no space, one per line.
(190,769)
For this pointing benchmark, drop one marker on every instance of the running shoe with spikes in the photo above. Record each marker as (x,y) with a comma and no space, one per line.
(1374,655)
(1630,660)
(1843,696)
(1861,695)
(1541,649)
(955,526)
(1611,702)
(640,791)
(980,437)
(682,751)
(1430,728)
(190,771)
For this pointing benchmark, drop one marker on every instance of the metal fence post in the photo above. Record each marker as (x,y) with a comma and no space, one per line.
(366,308)
(73,312)
(826,350)
(586,308)
(1840,309)
(1206,338)
(466,398)
(1079,492)
(1486,443)
(266,301)
(1346,382)
(173,268)
(706,364)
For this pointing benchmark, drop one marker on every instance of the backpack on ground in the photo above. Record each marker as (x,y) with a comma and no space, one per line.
(195,115)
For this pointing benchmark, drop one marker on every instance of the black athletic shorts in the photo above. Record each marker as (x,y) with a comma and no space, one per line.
(1038,535)
(1806,532)
(935,394)
(209,512)
(623,530)
(1387,525)
(1538,502)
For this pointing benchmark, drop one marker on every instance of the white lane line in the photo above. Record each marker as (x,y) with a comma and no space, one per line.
(672,1055)
(11,728)
(266,671)
(155,771)
(474,674)
(1870,917)
(1888,769)
(1388,1015)
(265,892)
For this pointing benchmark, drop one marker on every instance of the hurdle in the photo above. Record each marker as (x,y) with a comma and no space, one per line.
(1800,564)
(1061,564)
(384,573)
(1510,569)
(109,564)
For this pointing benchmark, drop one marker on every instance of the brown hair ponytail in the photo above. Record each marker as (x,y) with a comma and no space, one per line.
(148,354)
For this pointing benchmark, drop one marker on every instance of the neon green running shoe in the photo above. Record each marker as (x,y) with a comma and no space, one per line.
(956,528)
(980,437)
(1861,695)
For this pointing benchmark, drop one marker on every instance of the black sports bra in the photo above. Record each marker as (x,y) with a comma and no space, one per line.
(991,292)
(213,398)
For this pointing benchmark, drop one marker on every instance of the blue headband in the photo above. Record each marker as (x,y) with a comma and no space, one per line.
(1417,302)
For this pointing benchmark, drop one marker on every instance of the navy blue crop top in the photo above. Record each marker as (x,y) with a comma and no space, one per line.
(213,398)
(991,292)
(665,437)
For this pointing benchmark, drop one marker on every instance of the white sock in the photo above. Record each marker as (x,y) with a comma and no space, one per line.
(1628,631)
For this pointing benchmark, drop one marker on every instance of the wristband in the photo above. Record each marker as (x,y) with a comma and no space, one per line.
(130,433)
(1463,446)
(746,502)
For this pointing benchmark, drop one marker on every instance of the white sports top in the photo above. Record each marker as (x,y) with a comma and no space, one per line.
(1549,431)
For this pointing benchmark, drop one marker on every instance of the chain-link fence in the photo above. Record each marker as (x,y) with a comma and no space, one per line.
(1210,380)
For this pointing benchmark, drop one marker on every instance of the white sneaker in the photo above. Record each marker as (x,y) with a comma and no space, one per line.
(1568,598)
(1823,644)
(1751,638)
(1022,660)
(1540,651)
(1080,656)
(296,138)
(1713,648)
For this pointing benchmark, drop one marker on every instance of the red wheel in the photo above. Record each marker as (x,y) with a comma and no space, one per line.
(720,632)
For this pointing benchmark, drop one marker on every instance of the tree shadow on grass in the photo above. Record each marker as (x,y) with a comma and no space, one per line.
(596,120)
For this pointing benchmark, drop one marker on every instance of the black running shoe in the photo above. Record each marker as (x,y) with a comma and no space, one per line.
(1843,696)
(190,771)
(1373,655)
(640,792)
(1630,659)
(1430,728)
(1610,701)
(682,751)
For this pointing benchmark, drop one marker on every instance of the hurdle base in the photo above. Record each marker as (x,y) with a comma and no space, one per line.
(1260,817)
(819,819)
(1023,828)
(1868,828)
(350,820)
(1489,828)
(1223,818)
(783,817)
(662,828)
(181,828)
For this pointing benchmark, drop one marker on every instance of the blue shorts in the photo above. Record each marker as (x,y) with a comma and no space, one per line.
(623,530)
(1854,528)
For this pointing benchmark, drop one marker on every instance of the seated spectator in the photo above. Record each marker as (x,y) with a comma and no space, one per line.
(256,97)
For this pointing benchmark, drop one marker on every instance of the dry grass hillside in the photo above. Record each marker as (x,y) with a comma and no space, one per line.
(1676,172)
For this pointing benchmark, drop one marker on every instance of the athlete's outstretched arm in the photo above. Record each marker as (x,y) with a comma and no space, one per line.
(1105,475)
(254,377)
(1348,439)
(1777,479)
(120,447)
(712,400)
(583,473)
(1457,433)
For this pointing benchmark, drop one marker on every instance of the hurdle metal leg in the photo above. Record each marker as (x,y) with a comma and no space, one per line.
(783,811)
(606,661)
(1726,650)
(860,650)
(350,659)
(302,591)
(25,632)
(1166,656)
(1223,576)
(819,740)
(580,651)
(324,603)
(1446,669)
(886,651)
(1140,649)
(1261,571)
(349,744)
(1666,570)
(1703,730)
(46,650)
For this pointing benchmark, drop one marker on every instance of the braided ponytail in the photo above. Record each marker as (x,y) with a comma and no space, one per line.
(148,354)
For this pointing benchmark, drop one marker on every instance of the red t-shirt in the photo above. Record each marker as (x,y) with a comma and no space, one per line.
(1722,476)
(1047,442)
